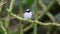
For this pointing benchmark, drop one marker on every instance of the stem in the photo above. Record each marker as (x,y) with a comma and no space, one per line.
(21,27)
(48,7)
(32,21)
(4,29)
(35,14)
(11,5)
(35,28)
(21,8)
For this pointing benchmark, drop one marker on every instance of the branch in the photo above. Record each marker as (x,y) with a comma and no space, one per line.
(34,21)
(58,1)
(11,5)
(46,10)
(1,5)
(27,28)
(4,29)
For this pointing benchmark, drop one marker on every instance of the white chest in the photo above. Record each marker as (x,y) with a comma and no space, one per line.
(27,15)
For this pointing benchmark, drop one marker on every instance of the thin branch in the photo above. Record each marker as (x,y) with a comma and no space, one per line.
(21,8)
(27,28)
(51,16)
(21,27)
(48,14)
(34,21)
(11,5)
(58,1)
(48,7)
(20,14)
(4,29)
(1,5)
(35,11)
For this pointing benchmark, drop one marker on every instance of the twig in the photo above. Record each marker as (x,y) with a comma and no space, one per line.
(35,11)
(47,13)
(27,28)
(1,5)
(21,8)
(9,10)
(58,1)
(46,10)
(51,16)
(32,21)
(21,27)
(4,29)
(11,5)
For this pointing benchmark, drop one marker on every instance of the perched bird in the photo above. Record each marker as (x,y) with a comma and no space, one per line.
(27,15)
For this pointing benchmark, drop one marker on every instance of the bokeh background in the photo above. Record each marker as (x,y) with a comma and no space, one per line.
(45,11)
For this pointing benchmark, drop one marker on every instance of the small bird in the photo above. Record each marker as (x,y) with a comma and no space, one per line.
(27,15)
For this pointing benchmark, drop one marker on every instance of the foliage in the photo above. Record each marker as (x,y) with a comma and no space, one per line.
(10,6)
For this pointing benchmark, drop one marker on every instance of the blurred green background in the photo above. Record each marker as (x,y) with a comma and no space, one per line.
(12,24)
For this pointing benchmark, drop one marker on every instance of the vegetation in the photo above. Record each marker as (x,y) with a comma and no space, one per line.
(11,12)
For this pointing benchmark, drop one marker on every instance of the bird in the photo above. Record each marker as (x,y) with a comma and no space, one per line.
(28,14)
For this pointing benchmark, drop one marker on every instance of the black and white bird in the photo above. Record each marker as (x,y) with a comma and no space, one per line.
(28,14)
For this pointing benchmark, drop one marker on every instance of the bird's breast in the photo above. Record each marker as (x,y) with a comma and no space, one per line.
(28,15)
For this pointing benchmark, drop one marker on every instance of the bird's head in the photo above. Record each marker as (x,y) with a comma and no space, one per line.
(28,10)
